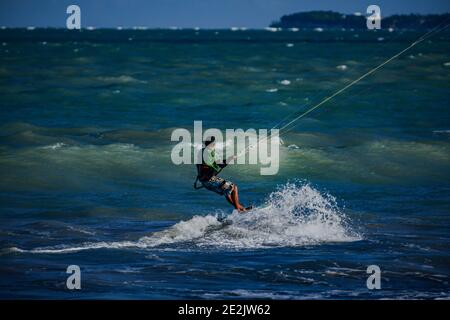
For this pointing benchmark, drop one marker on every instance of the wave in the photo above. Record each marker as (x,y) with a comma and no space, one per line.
(295,215)
(122,79)
(25,135)
(447,131)
(55,146)
(39,158)
(363,159)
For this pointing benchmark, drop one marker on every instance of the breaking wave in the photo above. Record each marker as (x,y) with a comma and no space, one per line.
(295,215)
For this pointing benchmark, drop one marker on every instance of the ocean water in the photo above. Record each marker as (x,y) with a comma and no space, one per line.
(86,177)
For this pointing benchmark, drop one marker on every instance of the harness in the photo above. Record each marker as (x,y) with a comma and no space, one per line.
(197,187)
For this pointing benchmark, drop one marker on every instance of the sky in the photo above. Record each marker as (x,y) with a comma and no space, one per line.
(191,13)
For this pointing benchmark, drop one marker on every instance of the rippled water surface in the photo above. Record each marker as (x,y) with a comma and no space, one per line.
(86,176)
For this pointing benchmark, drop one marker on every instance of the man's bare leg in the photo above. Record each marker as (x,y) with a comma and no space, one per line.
(231,201)
(234,199)
(228,197)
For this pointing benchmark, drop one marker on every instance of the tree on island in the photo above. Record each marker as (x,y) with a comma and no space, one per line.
(331,19)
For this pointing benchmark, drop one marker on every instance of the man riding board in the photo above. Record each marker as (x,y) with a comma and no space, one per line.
(207,175)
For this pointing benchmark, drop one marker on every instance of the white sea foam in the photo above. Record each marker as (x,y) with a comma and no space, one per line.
(55,146)
(295,215)
(81,247)
(441,131)
(81,230)
(121,79)
(253,294)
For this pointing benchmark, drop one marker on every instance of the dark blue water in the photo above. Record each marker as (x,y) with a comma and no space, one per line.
(86,176)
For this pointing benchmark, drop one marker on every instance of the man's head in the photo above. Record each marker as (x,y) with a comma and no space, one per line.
(210,142)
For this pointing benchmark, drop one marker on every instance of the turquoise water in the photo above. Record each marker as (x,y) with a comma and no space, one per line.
(87,179)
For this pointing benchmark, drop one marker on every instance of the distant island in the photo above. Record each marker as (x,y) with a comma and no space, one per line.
(331,19)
